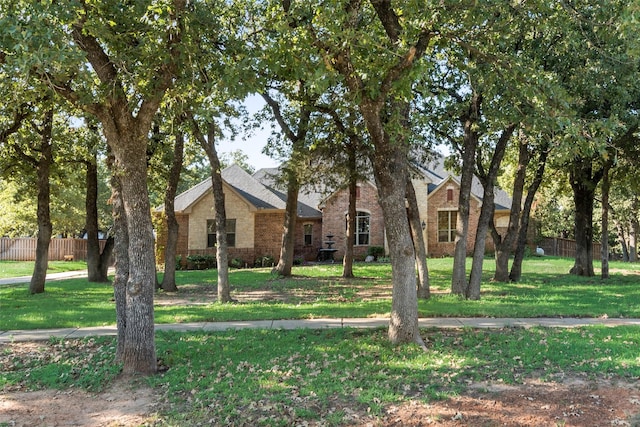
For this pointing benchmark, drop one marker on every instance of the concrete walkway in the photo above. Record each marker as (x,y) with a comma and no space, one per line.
(50,277)
(441,323)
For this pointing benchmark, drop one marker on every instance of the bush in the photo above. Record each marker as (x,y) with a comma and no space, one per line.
(200,262)
(236,263)
(179,265)
(298,260)
(264,261)
(376,252)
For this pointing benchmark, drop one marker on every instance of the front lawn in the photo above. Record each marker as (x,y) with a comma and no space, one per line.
(319,291)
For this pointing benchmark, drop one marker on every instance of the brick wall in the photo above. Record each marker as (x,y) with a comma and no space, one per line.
(334,222)
(235,208)
(268,233)
(308,252)
(439,201)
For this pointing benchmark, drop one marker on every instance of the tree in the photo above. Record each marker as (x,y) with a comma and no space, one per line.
(337,35)
(222,257)
(295,128)
(97,261)
(169,279)
(132,51)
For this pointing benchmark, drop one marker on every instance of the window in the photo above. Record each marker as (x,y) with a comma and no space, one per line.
(308,234)
(363,220)
(230,227)
(449,194)
(447,226)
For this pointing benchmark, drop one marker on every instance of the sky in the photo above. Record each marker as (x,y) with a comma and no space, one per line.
(251,144)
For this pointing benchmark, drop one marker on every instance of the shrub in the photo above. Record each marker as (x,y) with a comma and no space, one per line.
(200,262)
(264,261)
(375,252)
(236,263)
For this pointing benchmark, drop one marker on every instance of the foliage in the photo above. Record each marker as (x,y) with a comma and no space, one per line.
(376,252)
(200,262)
(264,261)
(236,263)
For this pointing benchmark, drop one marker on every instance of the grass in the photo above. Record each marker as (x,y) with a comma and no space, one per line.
(287,377)
(546,290)
(10,269)
(325,377)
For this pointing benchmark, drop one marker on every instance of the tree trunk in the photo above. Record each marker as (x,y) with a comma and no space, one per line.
(121,255)
(633,237)
(169,279)
(222,248)
(222,251)
(347,261)
(418,242)
(389,160)
(523,228)
(459,283)
(622,240)
(606,186)
(505,244)
(96,270)
(583,183)
(129,148)
(45,229)
(487,211)
(285,263)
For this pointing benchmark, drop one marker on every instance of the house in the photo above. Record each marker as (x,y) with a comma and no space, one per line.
(255,208)
(437,192)
(255,215)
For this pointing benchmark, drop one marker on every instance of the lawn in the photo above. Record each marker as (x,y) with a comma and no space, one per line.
(347,376)
(317,291)
(25,268)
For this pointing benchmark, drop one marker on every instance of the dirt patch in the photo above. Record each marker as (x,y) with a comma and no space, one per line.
(123,404)
(572,402)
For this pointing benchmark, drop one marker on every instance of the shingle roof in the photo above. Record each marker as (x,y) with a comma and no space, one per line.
(308,198)
(251,189)
(437,172)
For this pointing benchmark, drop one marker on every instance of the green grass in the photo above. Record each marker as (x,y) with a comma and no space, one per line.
(324,377)
(287,377)
(25,268)
(318,291)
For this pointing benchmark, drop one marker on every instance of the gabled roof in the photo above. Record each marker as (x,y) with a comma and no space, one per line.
(245,186)
(308,198)
(438,174)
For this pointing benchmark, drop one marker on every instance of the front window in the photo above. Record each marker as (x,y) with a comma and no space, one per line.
(308,234)
(230,227)
(363,220)
(447,226)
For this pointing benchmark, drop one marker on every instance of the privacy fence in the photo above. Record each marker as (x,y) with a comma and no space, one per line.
(557,246)
(24,249)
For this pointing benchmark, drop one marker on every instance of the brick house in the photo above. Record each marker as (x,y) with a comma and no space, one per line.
(255,215)
(437,192)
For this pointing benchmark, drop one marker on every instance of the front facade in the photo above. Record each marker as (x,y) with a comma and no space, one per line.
(255,215)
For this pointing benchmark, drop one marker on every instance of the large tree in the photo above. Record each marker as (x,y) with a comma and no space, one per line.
(114,61)
(368,47)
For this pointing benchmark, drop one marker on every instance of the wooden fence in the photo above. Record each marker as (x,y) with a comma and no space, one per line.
(558,246)
(24,249)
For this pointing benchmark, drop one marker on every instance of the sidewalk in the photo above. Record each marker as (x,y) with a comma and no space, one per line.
(436,322)
(50,277)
